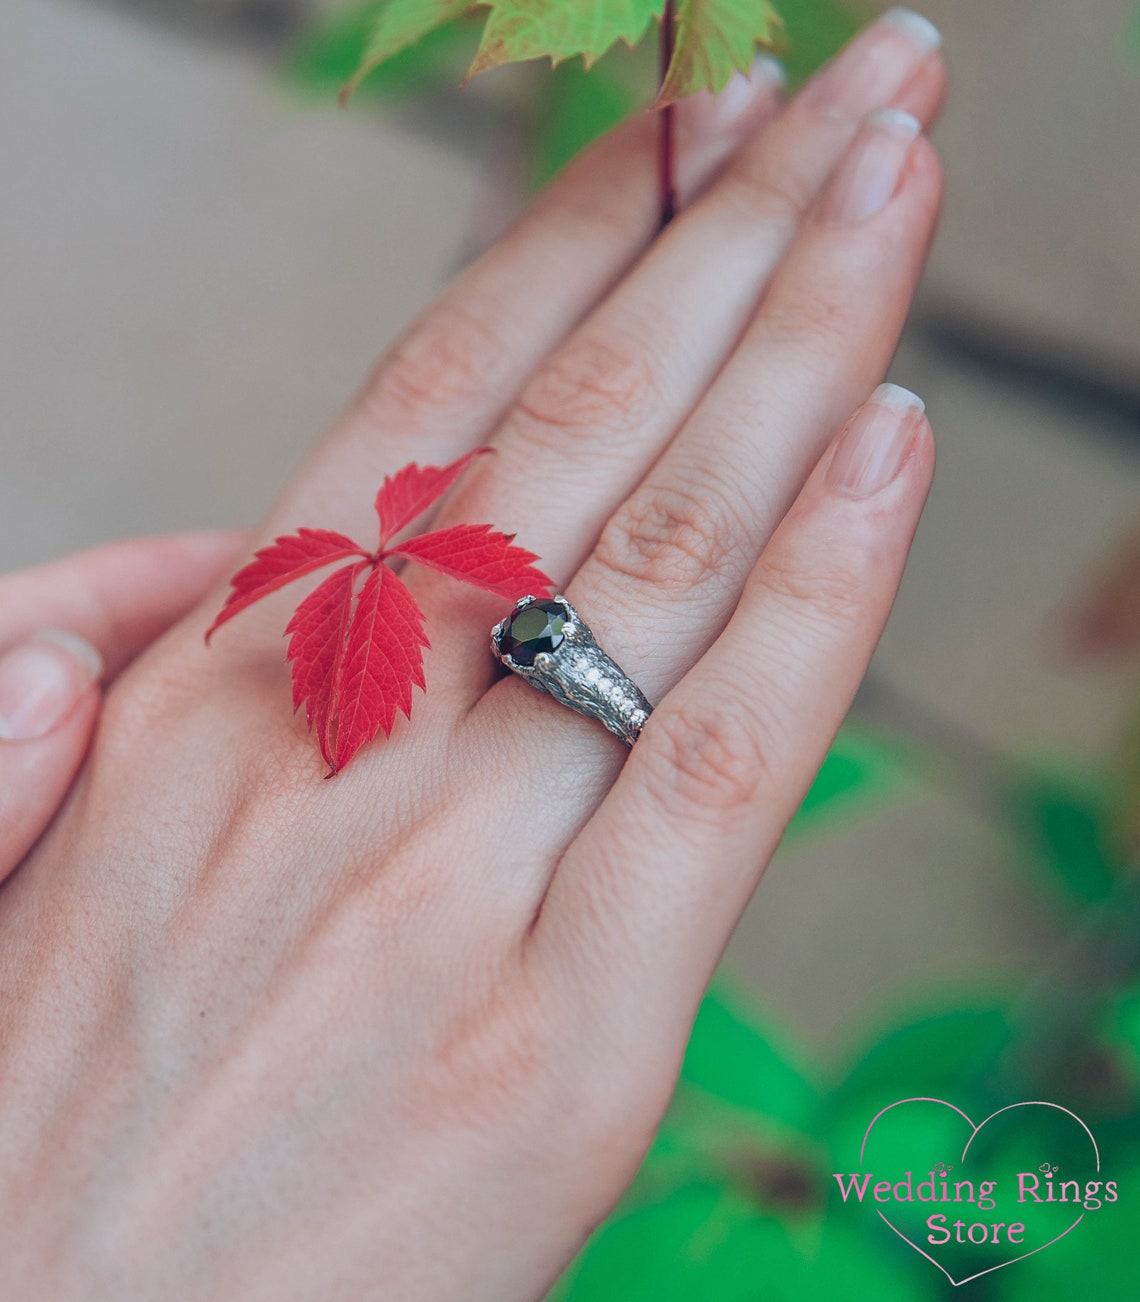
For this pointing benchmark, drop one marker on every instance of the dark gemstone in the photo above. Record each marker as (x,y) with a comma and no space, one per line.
(535,628)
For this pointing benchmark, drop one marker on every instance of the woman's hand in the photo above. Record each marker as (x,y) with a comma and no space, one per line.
(66,626)
(407,1033)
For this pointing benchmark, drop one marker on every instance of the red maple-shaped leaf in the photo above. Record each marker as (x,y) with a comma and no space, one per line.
(284,560)
(357,649)
(383,659)
(408,493)
(477,554)
(318,636)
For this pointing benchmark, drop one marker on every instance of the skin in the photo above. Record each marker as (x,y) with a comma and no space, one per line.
(408,1033)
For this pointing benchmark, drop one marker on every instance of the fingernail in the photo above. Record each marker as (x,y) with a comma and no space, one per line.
(873,447)
(41,681)
(920,30)
(868,174)
(873,68)
(709,115)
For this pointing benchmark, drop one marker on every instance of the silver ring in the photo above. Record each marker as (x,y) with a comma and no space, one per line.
(545,641)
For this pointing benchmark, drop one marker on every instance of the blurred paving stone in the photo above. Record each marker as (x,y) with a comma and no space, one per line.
(197,273)
(1039,255)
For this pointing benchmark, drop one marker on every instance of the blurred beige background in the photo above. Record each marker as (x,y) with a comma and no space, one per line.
(197,271)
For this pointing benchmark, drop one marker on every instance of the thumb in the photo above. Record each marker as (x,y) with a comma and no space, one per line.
(49,698)
(113,601)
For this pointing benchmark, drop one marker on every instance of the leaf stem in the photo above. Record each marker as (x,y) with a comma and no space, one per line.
(667,127)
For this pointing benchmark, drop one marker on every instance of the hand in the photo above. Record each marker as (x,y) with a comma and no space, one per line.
(407,1033)
(65,626)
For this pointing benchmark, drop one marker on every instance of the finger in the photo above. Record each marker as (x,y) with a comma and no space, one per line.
(49,700)
(121,596)
(585,430)
(446,383)
(668,569)
(671,562)
(647,896)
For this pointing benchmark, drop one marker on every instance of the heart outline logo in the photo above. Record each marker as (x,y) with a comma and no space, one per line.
(974,1130)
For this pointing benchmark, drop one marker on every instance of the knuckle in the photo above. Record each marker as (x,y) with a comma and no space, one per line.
(671,538)
(593,383)
(606,199)
(812,320)
(446,362)
(827,595)
(708,762)
(773,196)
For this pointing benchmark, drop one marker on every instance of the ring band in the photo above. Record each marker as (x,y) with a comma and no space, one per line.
(545,641)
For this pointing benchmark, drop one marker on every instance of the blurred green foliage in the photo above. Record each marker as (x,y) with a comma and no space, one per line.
(1063,822)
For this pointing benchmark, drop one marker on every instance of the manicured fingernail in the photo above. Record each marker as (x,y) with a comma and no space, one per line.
(872,69)
(868,174)
(920,30)
(710,115)
(41,681)
(873,447)
(767,70)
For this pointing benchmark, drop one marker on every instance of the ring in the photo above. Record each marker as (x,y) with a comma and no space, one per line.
(545,641)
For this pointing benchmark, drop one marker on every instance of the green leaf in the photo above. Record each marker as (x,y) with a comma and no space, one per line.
(1118,1035)
(715,38)
(1097,1261)
(399,25)
(861,769)
(1065,823)
(934,1048)
(518,30)
(735,1057)
(329,51)
(703,1241)
(700,1241)
(945,1051)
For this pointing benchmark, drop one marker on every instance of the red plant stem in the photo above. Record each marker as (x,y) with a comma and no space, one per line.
(667,128)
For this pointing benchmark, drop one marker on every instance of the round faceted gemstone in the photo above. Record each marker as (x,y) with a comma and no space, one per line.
(532,630)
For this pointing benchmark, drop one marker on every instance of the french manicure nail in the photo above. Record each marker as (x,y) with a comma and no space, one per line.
(920,30)
(712,114)
(868,174)
(41,681)
(873,447)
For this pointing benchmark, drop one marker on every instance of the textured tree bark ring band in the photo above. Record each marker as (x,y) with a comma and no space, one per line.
(546,642)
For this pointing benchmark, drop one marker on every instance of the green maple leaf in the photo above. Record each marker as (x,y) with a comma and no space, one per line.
(518,30)
(398,26)
(713,37)
(716,38)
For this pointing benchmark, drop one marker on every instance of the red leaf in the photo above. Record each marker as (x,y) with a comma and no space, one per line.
(409,492)
(318,636)
(384,657)
(355,657)
(287,558)
(477,554)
